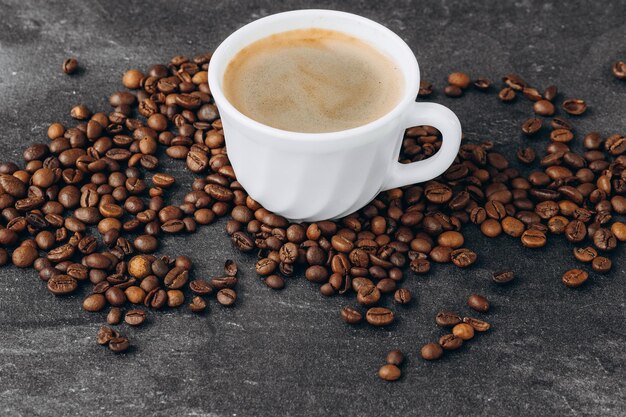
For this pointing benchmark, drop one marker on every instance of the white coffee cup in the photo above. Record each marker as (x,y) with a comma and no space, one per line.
(317,176)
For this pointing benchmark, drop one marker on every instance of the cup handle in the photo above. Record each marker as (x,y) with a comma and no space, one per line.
(445,120)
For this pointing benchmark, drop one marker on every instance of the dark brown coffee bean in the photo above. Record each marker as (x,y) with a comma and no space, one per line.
(62,284)
(70,66)
(575,106)
(463,257)
(223,282)
(226,297)
(425,89)
(431,351)
(379,316)
(135,317)
(482,84)
(119,344)
(447,319)
(395,357)
(420,266)
(105,335)
(478,303)
(94,302)
(575,278)
(543,108)
(230,268)
(389,372)
(503,277)
(533,238)
(242,241)
(531,126)
(450,342)
(114,316)
(266,266)
(198,304)
(506,94)
(200,287)
(585,254)
(176,278)
(601,264)
(619,70)
(478,325)
(550,92)
(275,282)
(453,91)
(604,240)
(402,296)
(351,315)
(368,295)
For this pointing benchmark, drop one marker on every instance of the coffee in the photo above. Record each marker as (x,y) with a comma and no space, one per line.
(312,81)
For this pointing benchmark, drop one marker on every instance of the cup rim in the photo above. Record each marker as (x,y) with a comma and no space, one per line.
(410,87)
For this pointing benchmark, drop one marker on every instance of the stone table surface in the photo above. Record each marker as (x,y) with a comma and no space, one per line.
(552,351)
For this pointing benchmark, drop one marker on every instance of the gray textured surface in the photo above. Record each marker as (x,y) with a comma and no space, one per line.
(552,351)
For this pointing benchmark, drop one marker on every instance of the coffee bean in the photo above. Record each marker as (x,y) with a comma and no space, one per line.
(105,335)
(431,351)
(478,325)
(420,266)
(135,317)
(447,319)
(230,268)
(463,331)
(585,254)
(463,257)
(619,70)
(425,89)
(604,239)
(351,315)
(114,316)
(139,267)
(94,302)
(223,282)
(197,305)
(119,344)
(506,94)
(459,79)
(275,282)
(533,238)
(389,372)
(482,84)
(543,108)
(266,266)
(379,316)
(402,296)
(478,303)
(395,357)
(531,126)
(601,264)
(62,284)
(453,91)
(70,65)
(24,256)
(574,278)
(503,277)
(226,297)
(450,342)
(368,295)
(575,106)
(176,278)
(200,287)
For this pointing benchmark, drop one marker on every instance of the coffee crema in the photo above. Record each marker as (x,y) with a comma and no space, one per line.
(312,81)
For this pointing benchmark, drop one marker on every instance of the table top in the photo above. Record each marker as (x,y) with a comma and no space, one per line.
(552,350)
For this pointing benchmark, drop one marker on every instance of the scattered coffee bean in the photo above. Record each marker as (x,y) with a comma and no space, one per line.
(395,357)
(119,344)
(575,106)
(575,278)
(431,351)
(478,325)
(351,315)
(114,316)
(379,316)
(389,372)
(619,70)
(450,342)
(463,331)
(135,317)
(226,297)
(70,65)
(447,319)
(503,277)
(478,303)
(601,264)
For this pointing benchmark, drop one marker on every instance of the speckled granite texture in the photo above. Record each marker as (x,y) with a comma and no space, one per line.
(552,351)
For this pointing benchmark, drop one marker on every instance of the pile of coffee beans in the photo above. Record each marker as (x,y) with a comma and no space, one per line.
(90,205)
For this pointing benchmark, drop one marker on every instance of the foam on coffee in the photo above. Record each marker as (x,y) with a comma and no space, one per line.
(313,81)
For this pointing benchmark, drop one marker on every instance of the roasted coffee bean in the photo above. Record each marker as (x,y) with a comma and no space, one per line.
(230,268)
(379,316)
(585,254)
(503,277)
(402,296)
(420,266)
(62,284)
(94,302)
(425,89)
(506,94)
(118,344)
(105,335)
(482,84)
(226,297)
(140,266)
(575,278)
(368,295)
(431,351)
(463,257)
(24,256)
(533,238)
(463,331)
(447,319)
(478,303)
(351,315)
(601,264)
(389,372)
(575,106)
(531,126)
(200,287)
(135,317)
(266,266)
(604,239)
(198,304)
(453,91)
(275,282)
(450,342)
(543,108)
(70,66)
(478,325)
(619,70)
(395,357)
(176,278)
(114,316)
(223,282)
(115,296)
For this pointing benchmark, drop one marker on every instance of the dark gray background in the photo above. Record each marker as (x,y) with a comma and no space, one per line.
(552,351)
